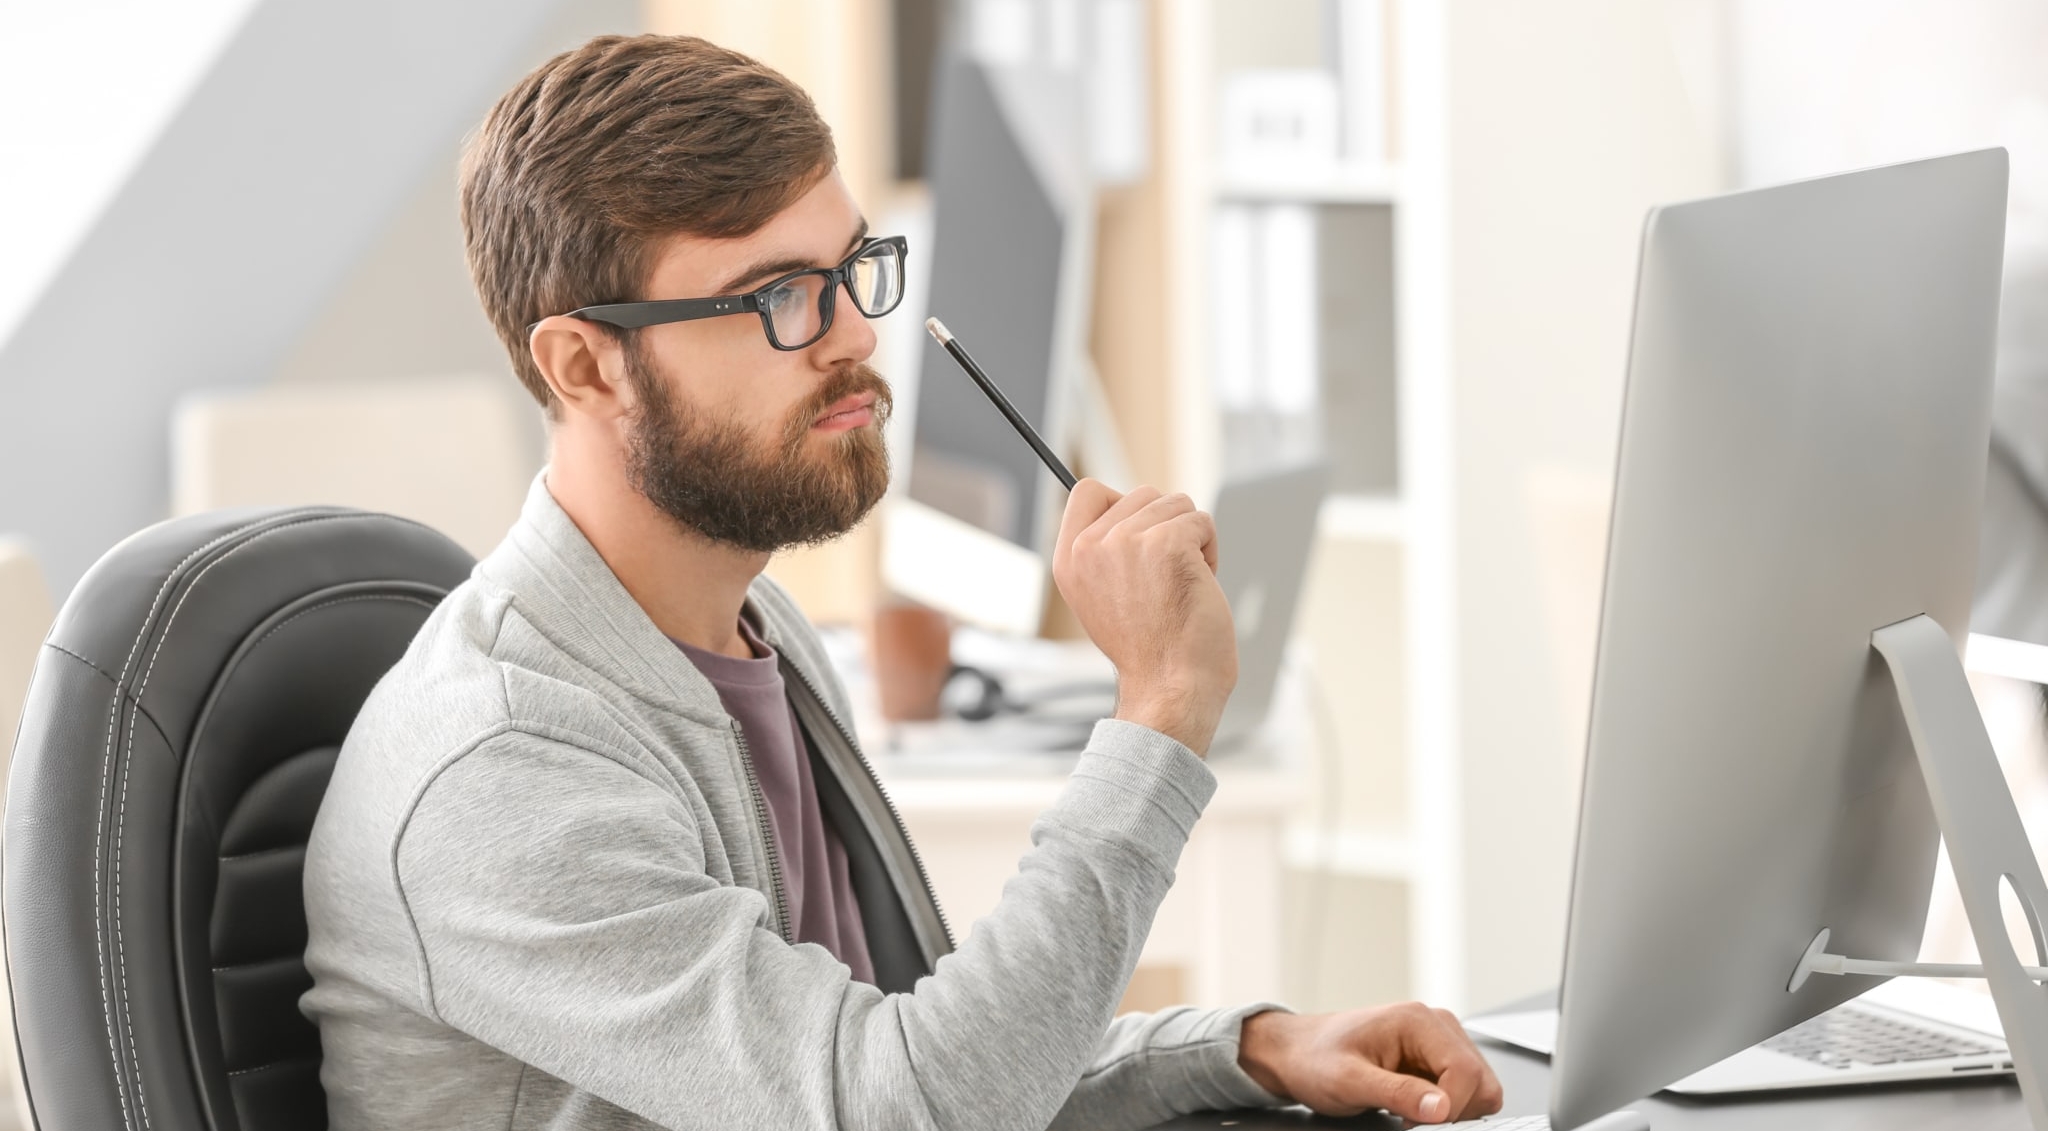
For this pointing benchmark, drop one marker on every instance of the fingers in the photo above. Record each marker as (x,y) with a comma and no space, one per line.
(1088,501)
(1410,1097)
(1161,508)
(1428,1070)
(1145,509)
(1123,509)
(1486,1095)
(1094,512)
(1435,1043)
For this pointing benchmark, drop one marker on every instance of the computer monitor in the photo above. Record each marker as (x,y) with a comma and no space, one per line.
(1010,261)
(1802,462)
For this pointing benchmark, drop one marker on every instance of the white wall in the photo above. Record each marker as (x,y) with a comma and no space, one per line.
(1567,121)
(252,201)
(1827,85)
(85,88)
(407,308)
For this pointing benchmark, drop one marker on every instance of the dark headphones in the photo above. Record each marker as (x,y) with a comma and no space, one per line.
(977,696)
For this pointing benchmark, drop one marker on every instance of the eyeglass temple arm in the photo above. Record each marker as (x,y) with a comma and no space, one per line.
(633,315)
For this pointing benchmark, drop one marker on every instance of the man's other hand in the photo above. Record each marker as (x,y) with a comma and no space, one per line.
(1412,1060)
(1139,571)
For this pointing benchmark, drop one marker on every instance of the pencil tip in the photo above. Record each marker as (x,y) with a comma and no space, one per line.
(938,331)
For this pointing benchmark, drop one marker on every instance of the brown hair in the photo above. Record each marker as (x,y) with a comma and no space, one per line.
(604,150)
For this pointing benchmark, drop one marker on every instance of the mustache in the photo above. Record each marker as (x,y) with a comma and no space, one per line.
(845,381)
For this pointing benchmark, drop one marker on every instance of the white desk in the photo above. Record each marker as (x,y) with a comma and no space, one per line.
(969,793)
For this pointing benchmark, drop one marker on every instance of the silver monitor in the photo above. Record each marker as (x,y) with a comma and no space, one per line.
(1802,462)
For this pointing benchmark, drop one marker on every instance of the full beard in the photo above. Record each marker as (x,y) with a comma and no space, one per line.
(709,475)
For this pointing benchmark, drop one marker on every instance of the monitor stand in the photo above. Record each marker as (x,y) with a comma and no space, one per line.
(1986,842)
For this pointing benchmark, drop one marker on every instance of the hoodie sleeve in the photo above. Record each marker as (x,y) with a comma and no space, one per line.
(1152,1067)
(564,914)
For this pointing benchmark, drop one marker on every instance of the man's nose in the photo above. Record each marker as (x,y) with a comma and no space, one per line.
(851,338)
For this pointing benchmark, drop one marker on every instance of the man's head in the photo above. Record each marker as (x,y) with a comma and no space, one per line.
(653,168)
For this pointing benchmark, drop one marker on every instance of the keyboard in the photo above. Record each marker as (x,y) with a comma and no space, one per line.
(1619,1121)
(1846,1036)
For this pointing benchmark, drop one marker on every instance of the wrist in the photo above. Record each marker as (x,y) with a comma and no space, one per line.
(1186,718)
(1262,1044)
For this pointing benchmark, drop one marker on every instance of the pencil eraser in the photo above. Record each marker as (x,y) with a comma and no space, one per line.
(938,330)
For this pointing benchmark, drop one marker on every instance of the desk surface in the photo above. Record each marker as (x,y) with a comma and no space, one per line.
(1967,1105)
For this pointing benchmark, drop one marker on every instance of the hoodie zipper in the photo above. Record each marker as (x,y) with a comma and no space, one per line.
(767,835)
(895,818)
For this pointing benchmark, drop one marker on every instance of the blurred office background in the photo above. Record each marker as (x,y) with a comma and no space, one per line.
(1397,233)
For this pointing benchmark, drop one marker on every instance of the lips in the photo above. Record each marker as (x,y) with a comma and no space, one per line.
(847,412)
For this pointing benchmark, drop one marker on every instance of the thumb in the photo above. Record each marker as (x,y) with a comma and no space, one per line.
(1410,1097)
(1088,501)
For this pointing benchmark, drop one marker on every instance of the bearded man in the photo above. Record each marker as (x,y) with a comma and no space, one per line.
(601,852)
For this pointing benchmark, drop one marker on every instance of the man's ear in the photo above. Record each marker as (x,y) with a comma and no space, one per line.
(583,364)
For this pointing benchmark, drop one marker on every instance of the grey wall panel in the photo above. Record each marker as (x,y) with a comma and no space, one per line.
(254,203)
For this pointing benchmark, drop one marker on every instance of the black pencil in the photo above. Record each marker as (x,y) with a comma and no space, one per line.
(945,338)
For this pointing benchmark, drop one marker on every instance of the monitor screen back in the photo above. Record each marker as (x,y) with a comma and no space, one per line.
(998,237)
(1802,462)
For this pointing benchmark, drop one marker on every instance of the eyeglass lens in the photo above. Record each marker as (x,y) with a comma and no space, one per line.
(796,309)
(877,278)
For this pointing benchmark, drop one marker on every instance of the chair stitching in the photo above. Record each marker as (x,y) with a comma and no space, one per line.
(100,825)
(120,939)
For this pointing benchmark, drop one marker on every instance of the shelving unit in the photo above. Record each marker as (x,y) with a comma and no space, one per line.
(1384,549)
(1504,279)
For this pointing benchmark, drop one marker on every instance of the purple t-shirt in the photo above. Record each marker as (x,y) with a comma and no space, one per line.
(822,908)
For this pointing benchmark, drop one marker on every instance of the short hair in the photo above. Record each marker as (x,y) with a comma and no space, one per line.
(604,150)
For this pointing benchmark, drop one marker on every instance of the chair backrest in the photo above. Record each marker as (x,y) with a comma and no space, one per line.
(177,737)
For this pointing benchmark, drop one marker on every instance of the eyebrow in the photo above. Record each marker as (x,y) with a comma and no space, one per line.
(762,271)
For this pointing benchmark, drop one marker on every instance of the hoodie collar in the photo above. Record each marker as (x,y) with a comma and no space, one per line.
(559,582)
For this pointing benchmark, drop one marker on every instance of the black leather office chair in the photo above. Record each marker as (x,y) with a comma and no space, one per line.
(178,735)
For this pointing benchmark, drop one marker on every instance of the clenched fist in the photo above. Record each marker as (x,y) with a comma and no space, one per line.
(1139,570)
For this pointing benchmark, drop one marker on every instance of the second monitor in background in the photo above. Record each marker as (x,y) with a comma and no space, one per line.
(1010,259)
(1266,529)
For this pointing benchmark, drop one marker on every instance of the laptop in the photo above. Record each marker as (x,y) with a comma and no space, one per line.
(1906,1029)
(1052,692)
(1265,527)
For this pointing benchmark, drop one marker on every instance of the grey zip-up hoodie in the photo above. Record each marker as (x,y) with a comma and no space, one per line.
(540,894)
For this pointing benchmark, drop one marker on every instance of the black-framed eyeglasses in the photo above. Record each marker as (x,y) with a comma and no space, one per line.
(795,309)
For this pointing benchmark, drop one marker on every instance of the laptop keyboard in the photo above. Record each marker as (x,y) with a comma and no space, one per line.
(1846,1036)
